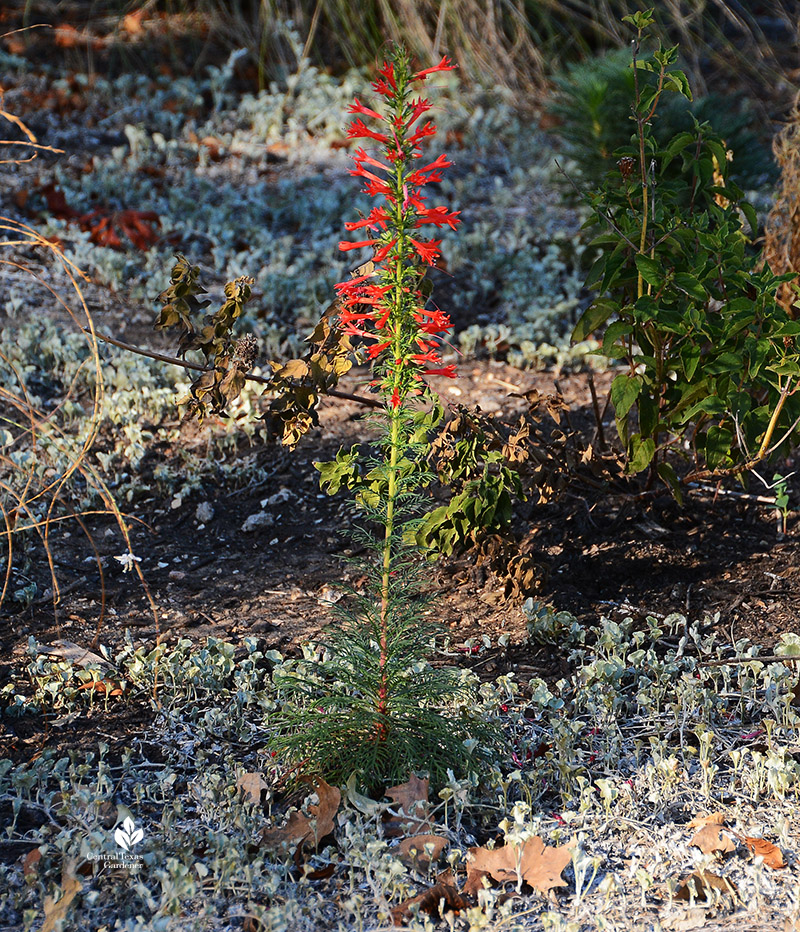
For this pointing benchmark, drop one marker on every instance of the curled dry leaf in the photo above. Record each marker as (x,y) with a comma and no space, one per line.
(771,854)
(302,829)
(707,818)
(418,851)
(442,896)
(701,885)
(252,784)
(539,865)
(712,840)
(411,798)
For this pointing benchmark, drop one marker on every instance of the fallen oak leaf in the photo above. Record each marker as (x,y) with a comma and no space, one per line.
(769,853)
(536,863)
(411,798)
(434,901)
(301,829)
(700,885)
(419,851)
(474,882)
(712,840)
(252,785)
(705,818)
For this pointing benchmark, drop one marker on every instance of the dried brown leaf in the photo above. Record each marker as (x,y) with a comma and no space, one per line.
(252,784)
(303,829)
(707,818)
(433,901)
(712,840)
(701,884)
(418,851)
(75,654)
(30,864)
(55,911)
(539,865)
(772,855)
(474,882)
(411,798)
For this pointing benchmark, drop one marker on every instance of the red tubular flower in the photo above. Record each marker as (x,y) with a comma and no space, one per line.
(387,72)
(357,107)
(377,218)
(361,156)
(418,107)
(359,130)
(384,251)
(377,349)
(448,372)
(437,216)
(430,172)
(360,172)
(444,65)
(428,252)
(427,130)
(345,247)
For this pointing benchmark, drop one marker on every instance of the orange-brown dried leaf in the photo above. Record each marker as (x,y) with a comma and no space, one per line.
(701,884)
(712,840)
(437,899)
(418,851)
(540,866)
(707,818)
(771,854)
(302,829)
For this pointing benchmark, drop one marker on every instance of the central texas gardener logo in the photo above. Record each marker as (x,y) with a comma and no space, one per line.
(127,835)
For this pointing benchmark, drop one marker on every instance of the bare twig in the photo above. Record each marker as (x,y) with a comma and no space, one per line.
(185,364)
(599,432)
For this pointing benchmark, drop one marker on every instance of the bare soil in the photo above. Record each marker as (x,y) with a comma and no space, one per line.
(721,557)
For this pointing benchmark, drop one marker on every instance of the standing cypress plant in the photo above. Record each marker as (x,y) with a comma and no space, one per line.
(368,701)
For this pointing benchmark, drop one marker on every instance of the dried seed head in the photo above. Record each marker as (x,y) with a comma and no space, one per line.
(626,165)
(246,350)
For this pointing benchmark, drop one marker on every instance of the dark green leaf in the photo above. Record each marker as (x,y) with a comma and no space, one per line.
(650,270)
(593,317)
(624,392)
(642,452)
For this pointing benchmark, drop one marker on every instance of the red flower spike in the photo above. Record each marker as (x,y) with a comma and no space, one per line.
(383,308)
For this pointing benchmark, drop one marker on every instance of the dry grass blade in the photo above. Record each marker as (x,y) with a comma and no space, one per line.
(782,234)
(43,452)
